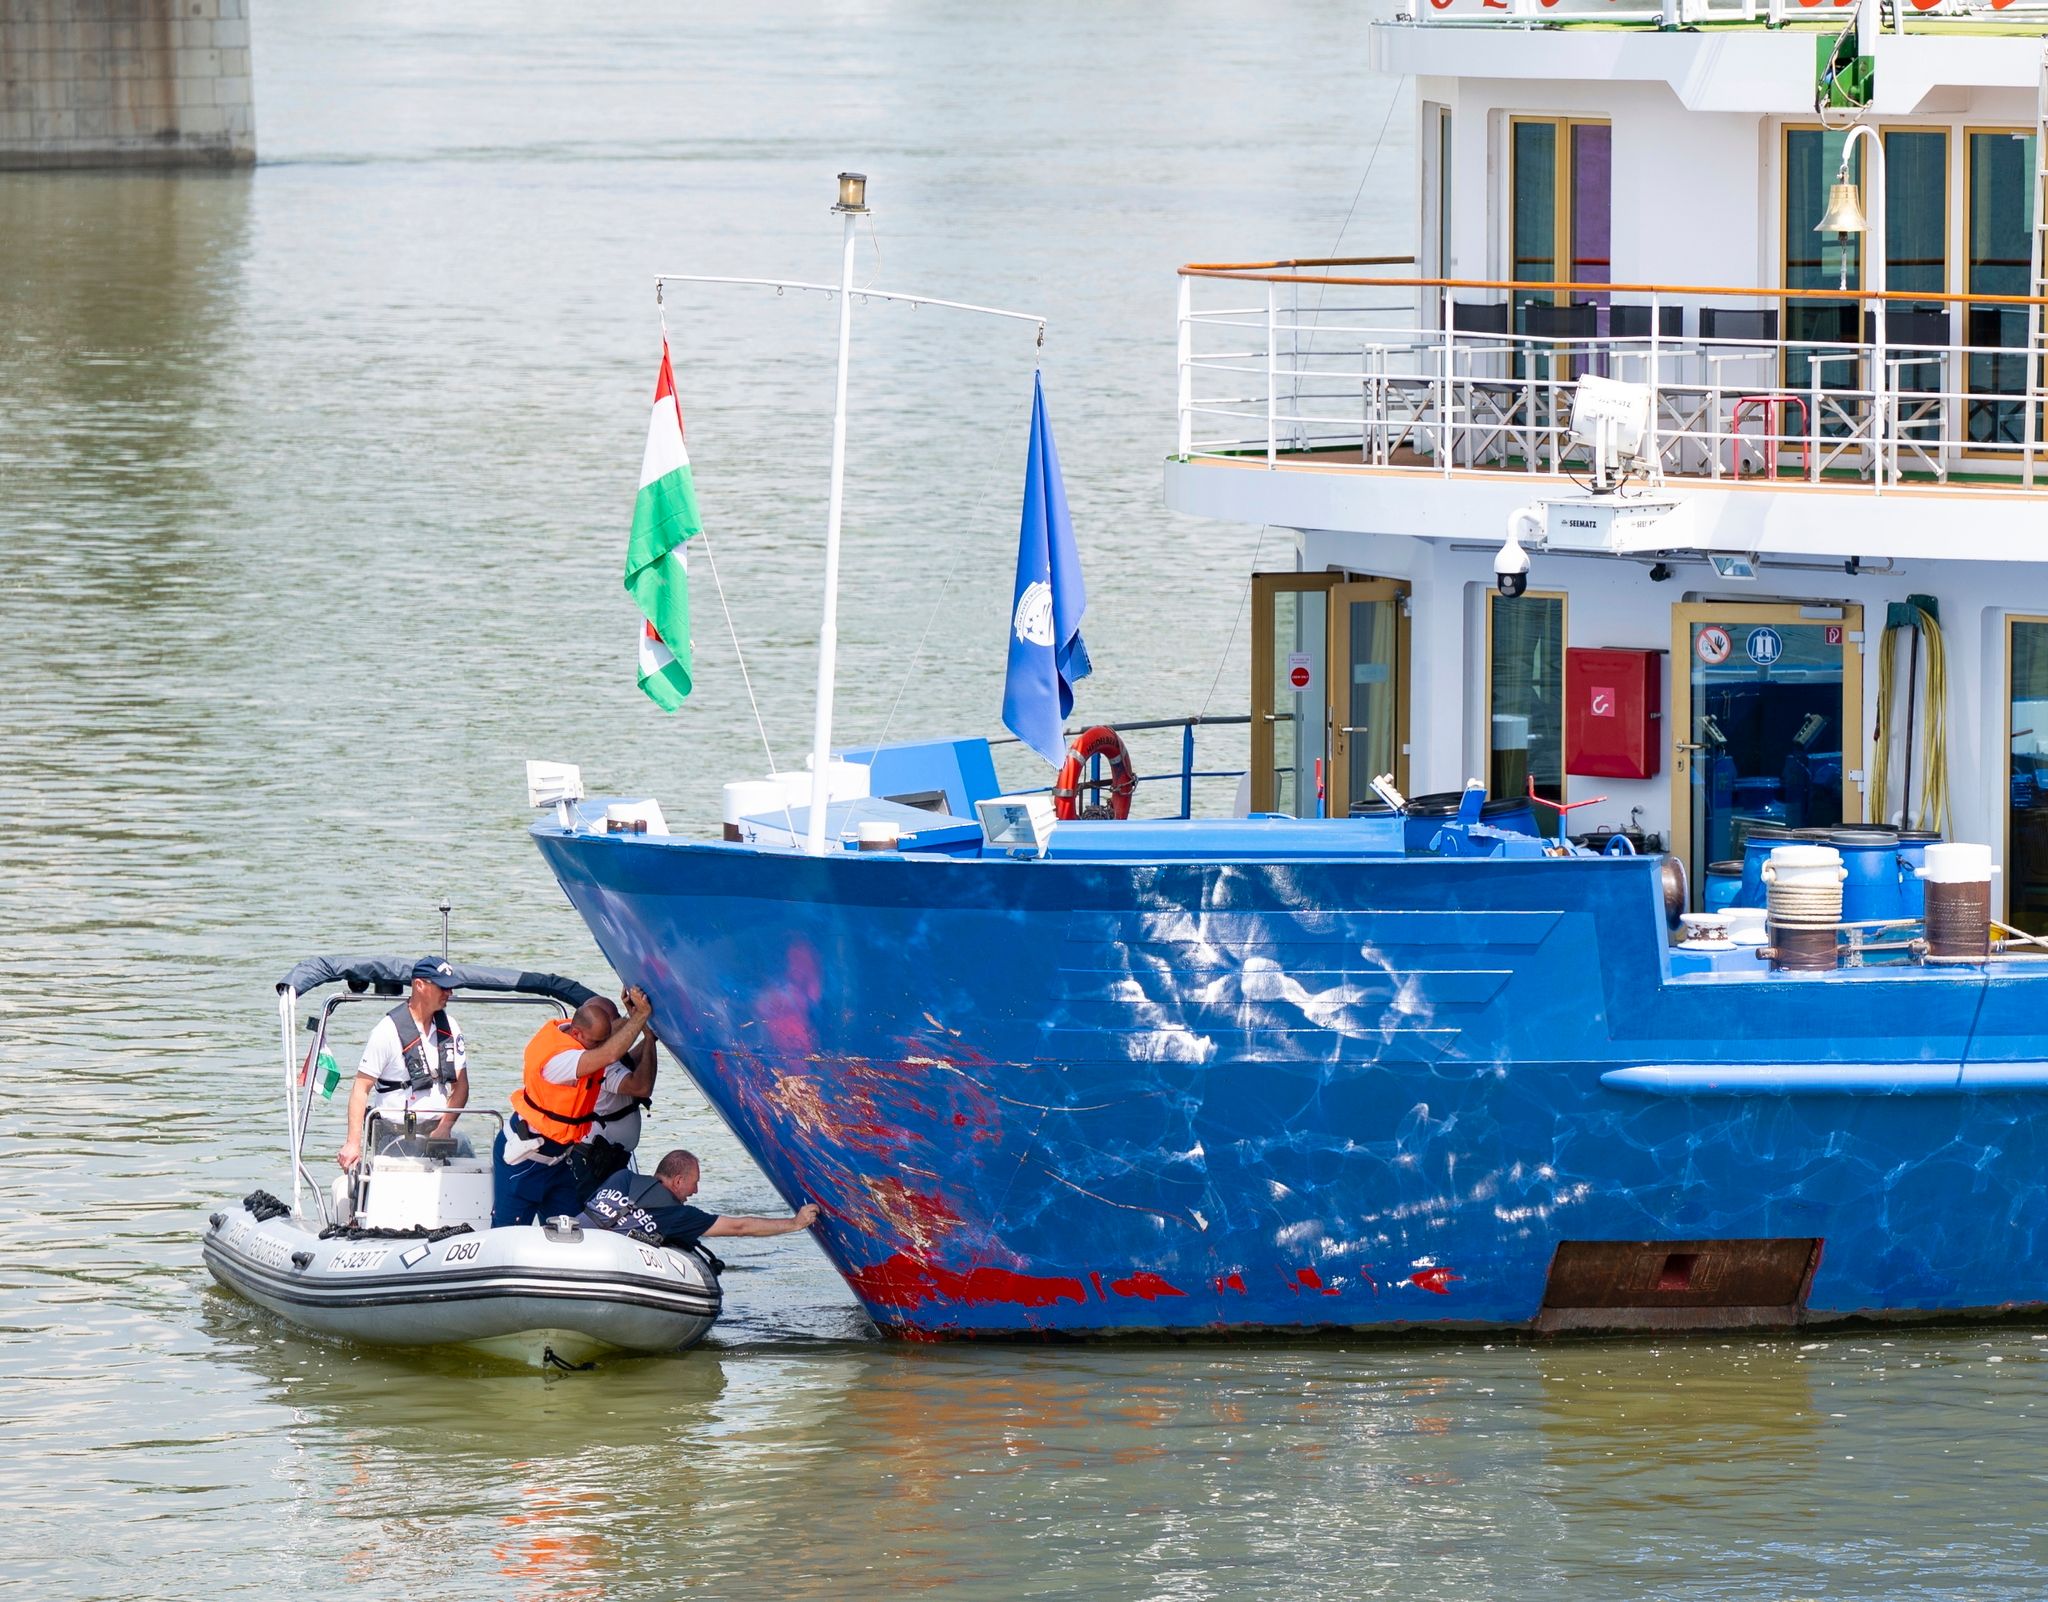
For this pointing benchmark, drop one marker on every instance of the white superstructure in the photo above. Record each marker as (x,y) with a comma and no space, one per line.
(1631,193)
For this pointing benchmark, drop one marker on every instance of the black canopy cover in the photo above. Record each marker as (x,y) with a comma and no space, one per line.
(364,973)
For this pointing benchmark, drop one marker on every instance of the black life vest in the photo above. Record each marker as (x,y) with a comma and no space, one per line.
(637,1105)
(617,1206)
(420,1074)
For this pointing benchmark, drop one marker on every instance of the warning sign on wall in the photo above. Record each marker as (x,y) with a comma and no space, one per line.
(1712,645)
(1300,670)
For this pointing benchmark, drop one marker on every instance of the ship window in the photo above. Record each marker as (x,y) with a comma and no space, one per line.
(1534,181)
(1998,225)
(1916,210)
(1443,194)
(1436,195)
(1561,178)
(1525,697)
(1592,182)
(1814,260)
(2026,836)
(1560,211)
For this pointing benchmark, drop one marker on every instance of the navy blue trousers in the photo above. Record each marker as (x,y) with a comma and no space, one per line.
(523,1193)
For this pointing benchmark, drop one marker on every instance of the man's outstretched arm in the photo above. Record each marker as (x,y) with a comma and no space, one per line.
(736,1224)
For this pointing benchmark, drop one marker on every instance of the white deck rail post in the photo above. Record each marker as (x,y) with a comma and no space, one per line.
(1187,369)
(1445,402)
(287,1015)
(1272,376)
(1655,452)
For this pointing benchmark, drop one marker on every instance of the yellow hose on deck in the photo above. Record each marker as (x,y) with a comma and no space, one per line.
(1932,757)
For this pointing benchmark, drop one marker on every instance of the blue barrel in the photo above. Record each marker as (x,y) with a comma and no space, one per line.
(1427,814)
(1756,851)
(1913,844)
(1724,880)
(1870,858)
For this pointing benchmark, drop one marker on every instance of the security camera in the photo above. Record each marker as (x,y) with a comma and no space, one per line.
(1511,568)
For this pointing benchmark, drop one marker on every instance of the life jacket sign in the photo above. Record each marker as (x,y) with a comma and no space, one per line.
(1712,645)
(1765,646)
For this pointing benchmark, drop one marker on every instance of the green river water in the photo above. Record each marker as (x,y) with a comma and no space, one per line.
(314,484)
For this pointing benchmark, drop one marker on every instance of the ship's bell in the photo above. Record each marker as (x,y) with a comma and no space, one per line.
(1845,212)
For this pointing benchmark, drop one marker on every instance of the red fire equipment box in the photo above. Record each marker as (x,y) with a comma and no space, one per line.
(1613,712)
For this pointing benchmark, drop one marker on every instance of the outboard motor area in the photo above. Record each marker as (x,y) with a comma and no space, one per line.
(424,1172)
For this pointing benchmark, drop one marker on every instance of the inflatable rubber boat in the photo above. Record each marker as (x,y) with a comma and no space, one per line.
(402,1252)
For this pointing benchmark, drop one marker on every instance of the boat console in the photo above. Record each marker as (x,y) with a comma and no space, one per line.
(413,1176)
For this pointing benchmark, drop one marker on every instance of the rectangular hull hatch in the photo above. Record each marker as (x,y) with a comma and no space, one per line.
(1678,1285)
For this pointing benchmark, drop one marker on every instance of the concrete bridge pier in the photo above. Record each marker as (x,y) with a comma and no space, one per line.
(125,83)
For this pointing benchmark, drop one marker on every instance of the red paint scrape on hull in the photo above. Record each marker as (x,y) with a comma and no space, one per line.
(902,1281)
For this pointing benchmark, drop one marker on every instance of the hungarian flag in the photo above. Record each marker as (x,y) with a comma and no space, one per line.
(657,577)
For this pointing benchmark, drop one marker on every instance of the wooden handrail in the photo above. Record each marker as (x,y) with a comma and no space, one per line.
(1264,272)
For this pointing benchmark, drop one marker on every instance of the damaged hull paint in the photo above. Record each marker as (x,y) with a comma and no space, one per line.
(1097,1096)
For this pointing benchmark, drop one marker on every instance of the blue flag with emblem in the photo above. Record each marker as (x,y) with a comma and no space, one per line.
(1046,653)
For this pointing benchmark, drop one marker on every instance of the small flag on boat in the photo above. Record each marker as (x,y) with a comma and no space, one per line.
(1046,652)
(657,577)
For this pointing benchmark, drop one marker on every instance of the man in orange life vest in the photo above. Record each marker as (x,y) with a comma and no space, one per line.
(554,1105)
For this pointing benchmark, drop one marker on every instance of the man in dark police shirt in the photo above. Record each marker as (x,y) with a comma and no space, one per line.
(654,1208)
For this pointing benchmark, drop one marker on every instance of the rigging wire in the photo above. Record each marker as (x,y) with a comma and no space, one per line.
(1371,161)
(718,584)
(1243,597)
(946,584)
(874,239)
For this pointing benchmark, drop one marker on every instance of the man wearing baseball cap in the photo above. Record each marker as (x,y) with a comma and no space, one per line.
(414,1059)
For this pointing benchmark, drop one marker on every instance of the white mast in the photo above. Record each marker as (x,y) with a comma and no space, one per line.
(852,205)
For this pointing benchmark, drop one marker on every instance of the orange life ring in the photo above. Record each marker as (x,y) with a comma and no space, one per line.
(1100,741)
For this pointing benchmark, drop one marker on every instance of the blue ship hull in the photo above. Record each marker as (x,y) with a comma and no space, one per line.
(1095,1095)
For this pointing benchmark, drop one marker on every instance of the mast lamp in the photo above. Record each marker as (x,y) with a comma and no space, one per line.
(853,192)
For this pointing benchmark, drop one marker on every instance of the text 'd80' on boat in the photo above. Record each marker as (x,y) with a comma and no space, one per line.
(401,1252)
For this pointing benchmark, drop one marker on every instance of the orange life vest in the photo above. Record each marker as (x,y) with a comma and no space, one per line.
(555,1112)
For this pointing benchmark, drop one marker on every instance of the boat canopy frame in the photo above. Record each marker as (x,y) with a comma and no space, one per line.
(380,980)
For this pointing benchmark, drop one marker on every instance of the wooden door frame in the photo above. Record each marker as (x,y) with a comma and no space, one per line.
(1337,700)
(1686,613)
(1264,587)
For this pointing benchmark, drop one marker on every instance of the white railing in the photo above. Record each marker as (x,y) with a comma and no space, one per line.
(1682,13)
(1287,362)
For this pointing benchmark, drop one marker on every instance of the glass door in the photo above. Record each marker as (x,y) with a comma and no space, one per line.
(1560,180)
(1525,637)
(1766,713)
(2026,819)
(1290,678)
(1369,692)
(1329,690)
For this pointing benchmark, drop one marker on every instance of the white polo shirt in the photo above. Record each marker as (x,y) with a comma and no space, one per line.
(383,1060)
